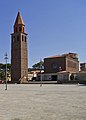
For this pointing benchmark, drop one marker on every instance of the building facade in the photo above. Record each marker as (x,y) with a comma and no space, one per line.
(66,62)
(19,52)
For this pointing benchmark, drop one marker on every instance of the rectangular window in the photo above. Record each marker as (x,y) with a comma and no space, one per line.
(18,38)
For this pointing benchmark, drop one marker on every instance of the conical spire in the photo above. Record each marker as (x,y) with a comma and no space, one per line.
(19,20)
(19,24)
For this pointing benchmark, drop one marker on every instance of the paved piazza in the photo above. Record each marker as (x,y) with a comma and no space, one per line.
(49,102)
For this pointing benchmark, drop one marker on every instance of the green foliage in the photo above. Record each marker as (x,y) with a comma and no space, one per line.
(2,70)
(2,75)
(3,66)
(38,65)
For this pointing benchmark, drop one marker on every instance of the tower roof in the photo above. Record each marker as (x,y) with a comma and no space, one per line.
(19,20)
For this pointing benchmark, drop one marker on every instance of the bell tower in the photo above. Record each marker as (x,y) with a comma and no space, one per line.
(19,52)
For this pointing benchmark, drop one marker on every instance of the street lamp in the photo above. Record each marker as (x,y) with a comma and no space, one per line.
(41,72)
(6,69)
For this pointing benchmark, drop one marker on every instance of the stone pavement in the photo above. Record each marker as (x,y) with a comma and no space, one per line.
(49,102)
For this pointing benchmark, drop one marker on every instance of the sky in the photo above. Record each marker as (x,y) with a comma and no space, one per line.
(54,27)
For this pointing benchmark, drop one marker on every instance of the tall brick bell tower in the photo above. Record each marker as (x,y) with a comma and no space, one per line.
(19,52)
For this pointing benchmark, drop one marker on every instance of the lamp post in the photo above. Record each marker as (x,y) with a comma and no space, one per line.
(6,69)
(41,72)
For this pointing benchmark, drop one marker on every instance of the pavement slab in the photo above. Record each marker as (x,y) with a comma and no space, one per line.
(49,102)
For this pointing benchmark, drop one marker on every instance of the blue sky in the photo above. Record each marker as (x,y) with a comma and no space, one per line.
(54,27)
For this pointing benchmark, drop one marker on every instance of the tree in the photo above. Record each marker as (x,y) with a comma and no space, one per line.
(38,65)
(3,66)
(2,75)
(2,70)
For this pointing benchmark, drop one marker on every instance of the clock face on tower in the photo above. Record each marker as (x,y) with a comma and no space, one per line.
(54,65)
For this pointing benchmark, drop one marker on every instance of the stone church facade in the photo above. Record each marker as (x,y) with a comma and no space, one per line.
(67,62)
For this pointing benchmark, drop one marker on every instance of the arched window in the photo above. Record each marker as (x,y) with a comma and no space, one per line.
(23,29)
(25,38)
(16,29)
(19,29)
(13,38)
(22,38)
